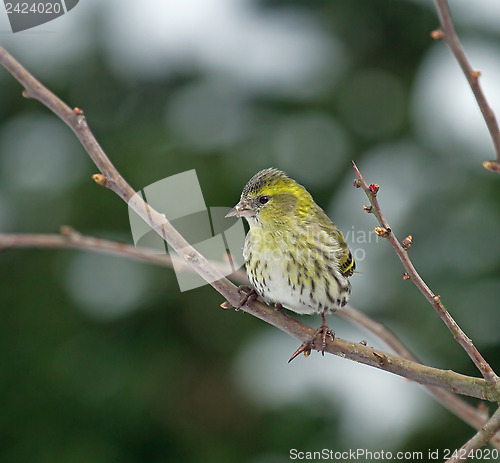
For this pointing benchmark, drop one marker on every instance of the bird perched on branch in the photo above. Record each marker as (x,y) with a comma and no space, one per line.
(294,254)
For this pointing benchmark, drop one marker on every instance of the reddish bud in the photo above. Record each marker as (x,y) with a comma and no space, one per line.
(356,183)
(374,188)
(367,208)
(437,34)
(382,232)
(406,276)
(99,179)
(406,243)
(493,166)
(78,112)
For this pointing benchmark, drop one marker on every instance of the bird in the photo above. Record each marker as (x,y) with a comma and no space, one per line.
(294,255)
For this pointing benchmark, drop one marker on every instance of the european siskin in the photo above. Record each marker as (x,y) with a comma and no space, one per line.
(294,254)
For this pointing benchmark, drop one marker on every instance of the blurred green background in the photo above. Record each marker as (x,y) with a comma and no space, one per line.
(104,359)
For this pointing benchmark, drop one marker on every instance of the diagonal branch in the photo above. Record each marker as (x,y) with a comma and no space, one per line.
(448,34)
(402,252)
(112,179)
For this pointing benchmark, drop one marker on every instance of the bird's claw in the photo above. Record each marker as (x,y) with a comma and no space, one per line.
(324,332)
(249,294)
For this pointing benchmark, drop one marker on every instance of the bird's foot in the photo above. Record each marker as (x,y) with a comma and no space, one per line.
(322,332)
(249,294)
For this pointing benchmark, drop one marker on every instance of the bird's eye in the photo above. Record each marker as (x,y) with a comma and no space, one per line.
(263,199)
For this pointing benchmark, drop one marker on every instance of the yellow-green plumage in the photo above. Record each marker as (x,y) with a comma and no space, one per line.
(294,254)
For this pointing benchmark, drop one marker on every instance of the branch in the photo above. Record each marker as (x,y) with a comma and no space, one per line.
(448,34)
(411,274)
(71,239)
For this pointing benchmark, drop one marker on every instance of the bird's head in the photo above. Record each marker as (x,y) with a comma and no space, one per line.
(272,197)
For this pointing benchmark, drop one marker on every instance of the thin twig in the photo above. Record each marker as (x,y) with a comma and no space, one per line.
(480,439)
(71,239)
(385,231)
(489,430)
(448,34)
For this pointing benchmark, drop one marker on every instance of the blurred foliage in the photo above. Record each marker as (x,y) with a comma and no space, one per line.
(156,383)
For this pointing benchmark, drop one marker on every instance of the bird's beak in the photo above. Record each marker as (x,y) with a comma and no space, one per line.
(240,210)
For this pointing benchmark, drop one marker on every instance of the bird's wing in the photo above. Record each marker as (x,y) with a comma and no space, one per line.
(334,240)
